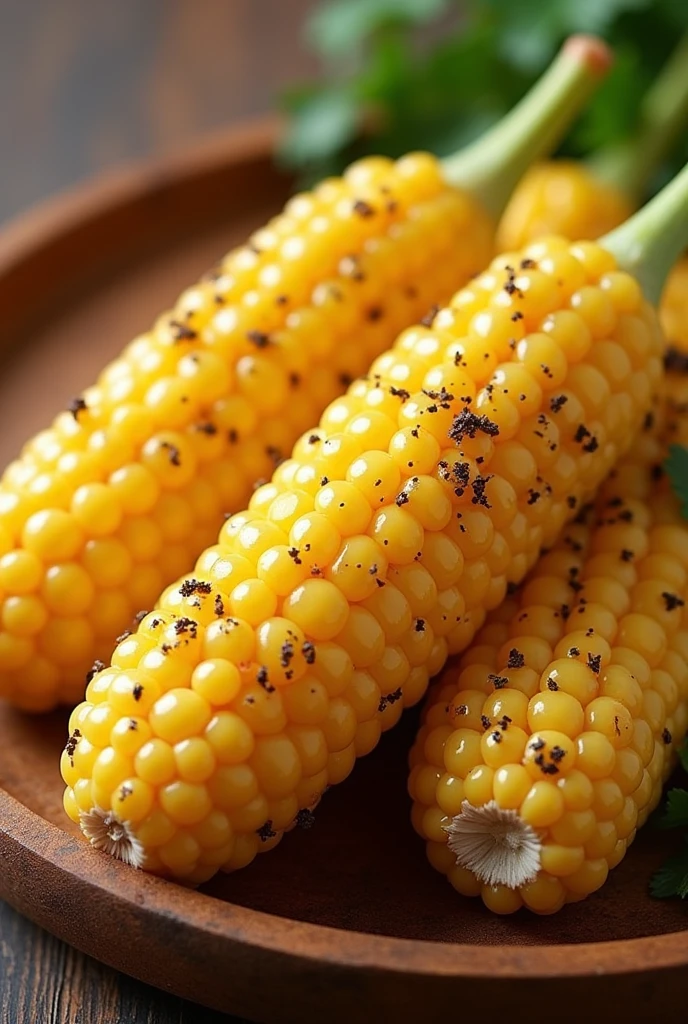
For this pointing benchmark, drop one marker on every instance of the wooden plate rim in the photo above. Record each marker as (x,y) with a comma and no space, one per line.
(70,860)
(57,216)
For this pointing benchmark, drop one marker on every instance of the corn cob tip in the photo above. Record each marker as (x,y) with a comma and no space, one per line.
(106,832)
(491,167)
(590,51)
(495,844)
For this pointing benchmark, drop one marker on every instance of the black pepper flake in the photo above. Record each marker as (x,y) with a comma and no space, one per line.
(123,636)
(536,744)
(486,722)
(479,496)
(533,496)
(71,745)
(345,379)
(206,428)
(517,316)
(401,499)
(461,709)
(324,480)
(125,791)
(182,332)
(547,768)
(626,555)
(552,684)
(420,625)
(308,651)
(192,586)
(429,318)
(294,553)
(666,736)
(232,436)
(219,605)
(305,818)
(496,736)
(97,666)
(528,264)
(172,452)
(672,601)
(76,406)
(266,831)
(556,404)
(362,208)
(467,424)
(389,698)
(258,338)
(262,679)
(595,662)
(186,625)
(516,659)
(574,652)
(557,754)
(401,393)
(286,653)
(499,682)
(504,722)
(137,692)
(571,501)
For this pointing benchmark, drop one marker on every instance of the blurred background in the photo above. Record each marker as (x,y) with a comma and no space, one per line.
(89,84)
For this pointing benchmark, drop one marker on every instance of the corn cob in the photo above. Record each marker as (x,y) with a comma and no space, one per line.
(536,764)
(587,200)
(374,552)
(115,500)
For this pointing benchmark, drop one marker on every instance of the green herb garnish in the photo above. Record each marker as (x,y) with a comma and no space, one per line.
(400,75)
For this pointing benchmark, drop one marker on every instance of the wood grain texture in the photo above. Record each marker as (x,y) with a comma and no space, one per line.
(44,981)
(87,86)
(344,922)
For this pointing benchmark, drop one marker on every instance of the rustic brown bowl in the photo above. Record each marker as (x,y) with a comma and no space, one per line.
(343,922)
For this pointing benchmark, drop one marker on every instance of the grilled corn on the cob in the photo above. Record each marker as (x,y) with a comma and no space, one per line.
(120,495)
(540,758)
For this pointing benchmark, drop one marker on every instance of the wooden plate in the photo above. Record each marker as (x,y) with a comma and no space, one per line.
(343,922)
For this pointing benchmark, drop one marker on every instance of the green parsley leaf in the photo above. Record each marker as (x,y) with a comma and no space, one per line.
(399,75)
(340,26)
(672,877)
(325,122)
(676,466)
(675,810)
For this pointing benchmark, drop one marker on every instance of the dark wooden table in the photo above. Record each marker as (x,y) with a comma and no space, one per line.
(85,86)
